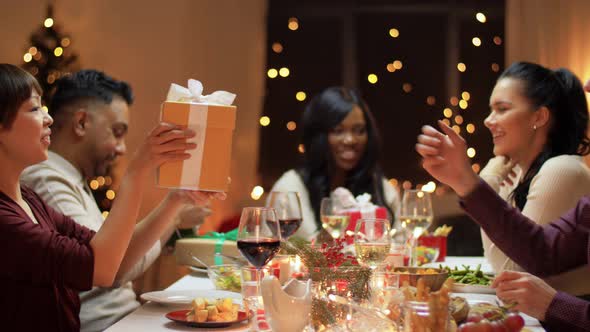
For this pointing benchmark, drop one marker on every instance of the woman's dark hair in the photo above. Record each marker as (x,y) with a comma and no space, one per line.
(562,93)
(16,86)
(324,112)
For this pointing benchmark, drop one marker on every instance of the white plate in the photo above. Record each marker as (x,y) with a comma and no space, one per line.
(185,297)
(197,269)
(479,289)
(531,323)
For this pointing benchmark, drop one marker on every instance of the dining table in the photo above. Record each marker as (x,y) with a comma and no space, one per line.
(151,316)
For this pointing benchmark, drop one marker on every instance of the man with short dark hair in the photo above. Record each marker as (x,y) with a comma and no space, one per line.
(91,112)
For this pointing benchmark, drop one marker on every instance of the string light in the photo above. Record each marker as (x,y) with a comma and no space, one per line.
(465,95)
(407,87)
(372,78)
(476,41)
(393,32)
(470,128)
(58,51)
(471,152)
(454,101)
(495,67)
(101,180)
(284,72)
(293,24)
(27,57)
(105,214)
(463,104)
(481,17)
(458,119)
(397,64)
(264,121)
(407,185)
(277,47)
(300,95)
(430,100)
(65,42)
(430,187)
(272,73)
(394,182)
(301,148)
(291,125)
(456,129)
(110,194)
(257,192)
(48,23)
(447,112)
(497,40)
(94,185)
(33,50)
(461,67)
(390,67)
(447,122)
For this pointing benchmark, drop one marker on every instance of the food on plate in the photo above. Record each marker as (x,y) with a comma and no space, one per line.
(460,308)
(511,323)
(469,276)
(218,310)
(438,307)
(488,311)
(226,277)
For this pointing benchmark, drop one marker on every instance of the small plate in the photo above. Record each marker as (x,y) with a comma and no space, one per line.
(179,316)
(176,297)
(479,289)
(197,269)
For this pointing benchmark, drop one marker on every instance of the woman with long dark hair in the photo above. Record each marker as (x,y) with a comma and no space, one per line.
(538,121)
(342,147)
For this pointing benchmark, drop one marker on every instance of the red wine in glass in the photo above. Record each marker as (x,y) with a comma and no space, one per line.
(259,251)
(289,226)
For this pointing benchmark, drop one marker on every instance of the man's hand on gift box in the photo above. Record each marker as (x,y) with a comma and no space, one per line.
(193,215)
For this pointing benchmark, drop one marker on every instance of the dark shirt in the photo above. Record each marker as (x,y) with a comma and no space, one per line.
(541,250)
(42,267)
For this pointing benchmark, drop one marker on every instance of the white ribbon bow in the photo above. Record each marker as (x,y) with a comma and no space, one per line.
(194,94)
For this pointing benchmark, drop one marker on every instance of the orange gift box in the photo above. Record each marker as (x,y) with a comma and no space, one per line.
(209,165)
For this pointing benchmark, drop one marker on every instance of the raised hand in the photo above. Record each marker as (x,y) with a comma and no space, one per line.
(165,143)
(445,158)
(530,294)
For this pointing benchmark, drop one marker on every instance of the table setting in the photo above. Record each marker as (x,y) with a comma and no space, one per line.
(349,283)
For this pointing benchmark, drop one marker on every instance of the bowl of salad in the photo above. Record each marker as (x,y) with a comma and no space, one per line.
(226,277)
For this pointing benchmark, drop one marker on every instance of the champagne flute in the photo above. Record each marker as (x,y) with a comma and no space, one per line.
(334,222)
(259,238)
(372,241)
(287,205)
(416,216)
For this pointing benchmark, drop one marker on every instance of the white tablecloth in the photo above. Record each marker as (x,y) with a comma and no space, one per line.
(151,316)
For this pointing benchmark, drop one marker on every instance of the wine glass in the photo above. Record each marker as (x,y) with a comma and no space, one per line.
(259,237)
(287,205)
(416,216)
(334,222)
(372,241)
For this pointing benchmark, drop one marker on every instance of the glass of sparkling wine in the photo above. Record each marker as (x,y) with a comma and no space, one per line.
(372,241)
(334,222)
(416,216)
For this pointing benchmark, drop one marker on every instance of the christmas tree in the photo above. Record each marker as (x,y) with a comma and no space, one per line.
(49,55)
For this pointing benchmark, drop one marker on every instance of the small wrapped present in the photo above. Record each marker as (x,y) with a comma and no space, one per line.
(206,247)
(213,118)
(356,208)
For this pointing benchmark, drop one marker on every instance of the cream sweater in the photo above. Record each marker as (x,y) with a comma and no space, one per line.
(291,181)
(556,188)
